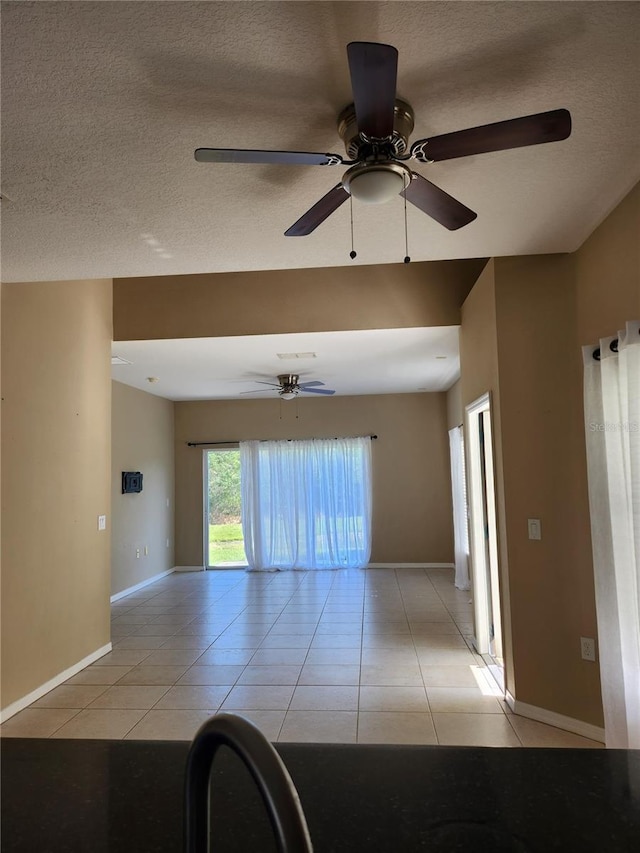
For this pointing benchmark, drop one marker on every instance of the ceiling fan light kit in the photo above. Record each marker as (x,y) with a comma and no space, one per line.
(375,130)
(289,386)
(376,183)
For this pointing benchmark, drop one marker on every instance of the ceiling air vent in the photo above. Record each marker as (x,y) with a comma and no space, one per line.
(288,355)
(117,359)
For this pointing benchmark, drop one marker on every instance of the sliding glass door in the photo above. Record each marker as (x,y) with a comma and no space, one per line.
(224,542)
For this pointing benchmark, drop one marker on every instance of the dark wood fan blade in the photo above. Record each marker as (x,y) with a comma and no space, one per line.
(317,214)
(317,391)
(284,158)
(373,68)
(310,384)
(438,204)
(515,133)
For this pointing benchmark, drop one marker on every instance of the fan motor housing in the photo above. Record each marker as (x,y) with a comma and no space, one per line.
(288,381)
(357,147)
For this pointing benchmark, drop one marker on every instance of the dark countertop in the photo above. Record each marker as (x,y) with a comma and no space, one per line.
(126,797)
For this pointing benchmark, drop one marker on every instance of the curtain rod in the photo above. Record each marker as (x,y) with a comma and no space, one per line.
(237,441)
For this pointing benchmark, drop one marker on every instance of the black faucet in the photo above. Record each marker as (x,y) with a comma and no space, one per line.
(268,771)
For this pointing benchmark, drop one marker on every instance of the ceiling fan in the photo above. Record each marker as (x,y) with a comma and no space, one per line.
(375,129)
(289,387)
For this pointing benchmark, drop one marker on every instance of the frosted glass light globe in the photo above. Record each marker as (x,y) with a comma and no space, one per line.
(376,186)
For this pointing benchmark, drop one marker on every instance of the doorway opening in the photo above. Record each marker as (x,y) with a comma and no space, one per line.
(223,537)
(484,534)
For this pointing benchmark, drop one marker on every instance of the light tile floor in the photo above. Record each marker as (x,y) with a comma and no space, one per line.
(370,656)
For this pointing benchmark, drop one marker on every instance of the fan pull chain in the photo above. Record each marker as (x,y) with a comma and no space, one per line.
(407,259)
(352,253)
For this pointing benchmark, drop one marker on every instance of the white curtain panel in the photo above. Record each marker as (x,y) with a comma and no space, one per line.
(612,423)
(459,494)
(306,504)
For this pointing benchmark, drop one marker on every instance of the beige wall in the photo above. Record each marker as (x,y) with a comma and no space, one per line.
(518,341)
(455,409)
(479,374)
(608,273)
(478,339)
(522,328)
(142,439)
(412,516)
(56,448)
(282,301)
(551,581)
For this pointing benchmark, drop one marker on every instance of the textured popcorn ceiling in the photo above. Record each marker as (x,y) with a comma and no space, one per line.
(103,104)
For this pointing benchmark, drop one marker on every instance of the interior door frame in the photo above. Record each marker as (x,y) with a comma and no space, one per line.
(483,541)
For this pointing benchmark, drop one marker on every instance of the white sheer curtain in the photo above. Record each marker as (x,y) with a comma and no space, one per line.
(612,412)
(459,494)
(306,504)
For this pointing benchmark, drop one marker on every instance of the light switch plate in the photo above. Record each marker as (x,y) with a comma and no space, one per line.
(535,528)
(102,522)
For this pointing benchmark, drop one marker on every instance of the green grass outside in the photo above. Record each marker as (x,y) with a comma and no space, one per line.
(226,544)
(225,532)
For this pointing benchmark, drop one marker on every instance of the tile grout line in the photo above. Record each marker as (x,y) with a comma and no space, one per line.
(433,722)
(513,729)
(65,722)
(301,668)
(364,598)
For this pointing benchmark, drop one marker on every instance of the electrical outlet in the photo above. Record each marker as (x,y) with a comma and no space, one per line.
(137,553)
(588,648)
(102,522)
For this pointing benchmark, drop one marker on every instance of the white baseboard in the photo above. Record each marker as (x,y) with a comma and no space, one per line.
(141,585)
(410,566)
(39,692)
(551,718)
(188,569)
